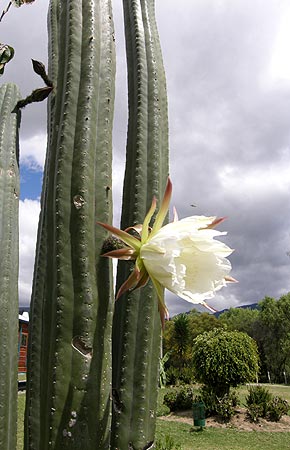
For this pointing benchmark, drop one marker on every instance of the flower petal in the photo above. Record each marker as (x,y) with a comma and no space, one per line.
(130,283)
(163,209)
(126,254)
(145,226)
(163,311)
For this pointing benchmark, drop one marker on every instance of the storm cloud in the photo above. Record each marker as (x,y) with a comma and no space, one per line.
(229,118)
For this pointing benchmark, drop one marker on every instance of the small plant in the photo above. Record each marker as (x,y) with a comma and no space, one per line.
(254,412)
(225,407)
(179,399)
(258,399)
(209,398)
(277,407)
(167,444)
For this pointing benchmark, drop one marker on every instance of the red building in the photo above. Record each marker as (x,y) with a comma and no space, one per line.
(22,341)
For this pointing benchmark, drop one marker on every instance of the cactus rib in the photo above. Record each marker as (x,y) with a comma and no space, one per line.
(9,204)
(136,325)
(76,301)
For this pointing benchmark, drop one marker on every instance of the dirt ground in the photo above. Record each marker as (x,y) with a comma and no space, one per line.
(238,421)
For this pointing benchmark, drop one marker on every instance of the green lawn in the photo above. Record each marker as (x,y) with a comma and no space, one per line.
(221,439)
(207,439)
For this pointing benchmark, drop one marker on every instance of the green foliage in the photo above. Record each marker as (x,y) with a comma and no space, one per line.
(162,372)
(179,399)
(224,359)
(167,443)
(177,339)
(277,408)
(240,319)
(223,407)
(177,376)
(257,400)
(274,336)
(261,403)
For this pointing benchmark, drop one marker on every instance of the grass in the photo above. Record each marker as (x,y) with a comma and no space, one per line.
(220,439)
(21,376)
(208,438)
(20,424)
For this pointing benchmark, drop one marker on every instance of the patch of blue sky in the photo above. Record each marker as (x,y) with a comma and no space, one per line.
(30,182)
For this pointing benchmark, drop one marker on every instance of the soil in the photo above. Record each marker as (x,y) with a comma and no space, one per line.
(239,421)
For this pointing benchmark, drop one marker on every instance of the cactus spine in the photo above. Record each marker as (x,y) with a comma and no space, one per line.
(136,327)
(68,394)
(9,203)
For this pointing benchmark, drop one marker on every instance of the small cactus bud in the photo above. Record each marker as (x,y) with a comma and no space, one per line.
(112,243)
(39,69)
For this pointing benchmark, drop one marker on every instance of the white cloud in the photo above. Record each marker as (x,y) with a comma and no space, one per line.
(28,222)
(279,66)
(32,151)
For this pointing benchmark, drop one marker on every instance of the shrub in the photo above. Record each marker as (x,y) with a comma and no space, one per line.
(209,398)
(277,407)
(257,402)
(254,412)
(179,399)
(223,407)
(224,359)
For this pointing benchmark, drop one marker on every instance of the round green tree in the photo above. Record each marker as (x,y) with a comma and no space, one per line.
(224,359)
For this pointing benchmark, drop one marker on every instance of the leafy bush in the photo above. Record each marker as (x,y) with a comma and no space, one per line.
(261,403)
(209,398)
(254,412)
(277,407)
(179,399)
(223,407)
(167,444)
(257,401)
(171,376)
(224,359)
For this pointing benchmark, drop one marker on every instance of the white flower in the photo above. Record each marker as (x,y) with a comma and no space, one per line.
(185,258)
(182,256)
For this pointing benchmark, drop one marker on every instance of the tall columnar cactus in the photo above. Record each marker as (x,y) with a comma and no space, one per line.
(68,392)
(9,203)
(136,328)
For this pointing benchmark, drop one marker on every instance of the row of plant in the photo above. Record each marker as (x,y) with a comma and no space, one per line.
(259,403)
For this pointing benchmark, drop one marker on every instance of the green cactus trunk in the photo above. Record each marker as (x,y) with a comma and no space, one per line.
(137,327)
(69,370)
(9,243)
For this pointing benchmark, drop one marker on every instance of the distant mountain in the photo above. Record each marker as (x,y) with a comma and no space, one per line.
(251,306)
(23,309)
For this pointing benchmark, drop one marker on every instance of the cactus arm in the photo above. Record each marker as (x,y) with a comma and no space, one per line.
(76,305)
(32,435)
(9,204)
(136,326)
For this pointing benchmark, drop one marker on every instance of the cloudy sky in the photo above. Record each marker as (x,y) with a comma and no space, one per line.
(228,73)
